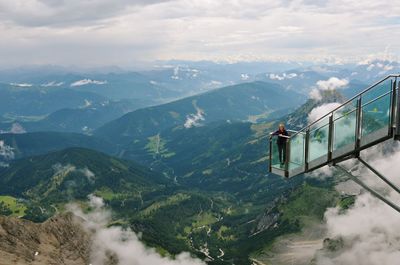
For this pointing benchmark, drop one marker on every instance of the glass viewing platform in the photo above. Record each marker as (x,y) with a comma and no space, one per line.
(371,117)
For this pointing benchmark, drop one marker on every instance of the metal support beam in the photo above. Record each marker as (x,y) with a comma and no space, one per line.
(330,138)
(392,126)
(397,133)
(373,192)
(270,153)
(358,126)
(306,148)
(287,160)
(393,186)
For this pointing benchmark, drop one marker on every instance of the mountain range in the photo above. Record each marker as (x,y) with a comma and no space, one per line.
(189,174)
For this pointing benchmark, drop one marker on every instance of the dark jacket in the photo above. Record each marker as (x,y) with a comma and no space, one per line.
(281,140)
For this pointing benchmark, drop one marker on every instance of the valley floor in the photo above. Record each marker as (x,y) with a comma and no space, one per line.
(298,249)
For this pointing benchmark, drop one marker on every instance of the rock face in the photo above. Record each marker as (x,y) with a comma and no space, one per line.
(59,240)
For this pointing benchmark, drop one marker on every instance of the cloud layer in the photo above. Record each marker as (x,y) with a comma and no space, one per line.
(122,244)
(119,32)
(369,230)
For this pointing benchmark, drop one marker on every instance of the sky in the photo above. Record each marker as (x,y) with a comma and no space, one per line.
(124,32)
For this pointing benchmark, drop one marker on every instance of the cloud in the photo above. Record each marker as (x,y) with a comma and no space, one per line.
(244,77)
(33,13)
(330,84)
(123,245)
(21,84)
(52,84)
(91,177)
(370,233)
(6,151)
(369,230)
(84,82)
(315,94)
(282,77)
(322,110)
(17,128)
(60,169)
(119,32)
(87,104)
(193,120)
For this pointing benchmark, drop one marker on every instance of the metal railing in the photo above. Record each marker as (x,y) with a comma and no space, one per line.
(366,124)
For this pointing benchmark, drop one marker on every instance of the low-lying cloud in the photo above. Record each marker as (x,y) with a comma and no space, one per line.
(6,151)
(17,128)
(21,84)
(6,154)
(52,84)
(60,169)
(123,245)
(370,229)
(322,110)
(282,77)
(193,120)
(88,82)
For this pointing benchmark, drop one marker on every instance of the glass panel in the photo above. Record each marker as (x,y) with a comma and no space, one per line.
(276,163)
(344,131)
(297,151)
(345,109)
(377,91)
(318,146)
(376,117)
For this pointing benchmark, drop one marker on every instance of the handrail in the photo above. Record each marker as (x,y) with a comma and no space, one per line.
(346,102)
(285,136)
(281,135)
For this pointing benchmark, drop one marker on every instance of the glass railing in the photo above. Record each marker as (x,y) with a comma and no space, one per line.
(296,158)
(362,121)
(376,116)
(275,160)
(344,128)
(318,142)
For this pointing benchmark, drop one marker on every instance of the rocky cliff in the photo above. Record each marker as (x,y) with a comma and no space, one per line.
(59,240)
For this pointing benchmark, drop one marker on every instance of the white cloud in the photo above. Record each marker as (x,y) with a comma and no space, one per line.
(332,83)
(60,169)
(124,244)
(87,82)
(193,120)
(52,84)
(244,77)
(315,94)
(369,229)
(320,111)
(119,32)
(21,84)
(87,104)
(6,151)
(17,128)
(370,67)
(282,77)
(213,84)
(91,177)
